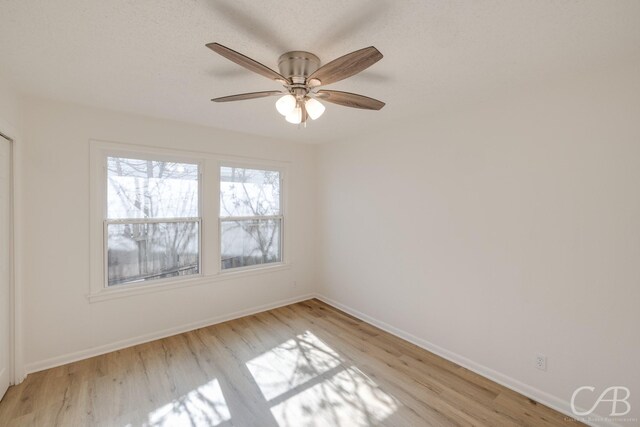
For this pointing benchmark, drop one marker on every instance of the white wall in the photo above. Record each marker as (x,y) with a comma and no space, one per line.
(10,117)
(59,322)
(498,232)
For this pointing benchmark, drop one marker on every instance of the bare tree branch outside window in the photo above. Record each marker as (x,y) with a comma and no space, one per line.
(152,220)
(250,217)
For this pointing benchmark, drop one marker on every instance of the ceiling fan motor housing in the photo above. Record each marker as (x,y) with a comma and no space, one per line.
(297,65)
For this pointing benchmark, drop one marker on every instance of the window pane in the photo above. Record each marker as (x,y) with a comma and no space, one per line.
(249,192)
(151,189)
(250,242)
(141,252)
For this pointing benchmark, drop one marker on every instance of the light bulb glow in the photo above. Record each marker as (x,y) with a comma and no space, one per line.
(314,108)
(295,116)
(286,104)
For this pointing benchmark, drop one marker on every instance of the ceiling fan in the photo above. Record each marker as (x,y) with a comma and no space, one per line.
(301,75)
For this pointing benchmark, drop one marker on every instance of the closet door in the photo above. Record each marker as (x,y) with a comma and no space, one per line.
(5,264)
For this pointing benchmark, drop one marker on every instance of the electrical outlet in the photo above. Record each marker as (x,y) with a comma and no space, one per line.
(541,362)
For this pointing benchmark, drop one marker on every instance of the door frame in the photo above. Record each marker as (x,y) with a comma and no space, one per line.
(16,363)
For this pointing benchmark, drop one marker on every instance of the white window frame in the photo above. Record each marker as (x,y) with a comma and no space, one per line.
(209,214)
(281,217)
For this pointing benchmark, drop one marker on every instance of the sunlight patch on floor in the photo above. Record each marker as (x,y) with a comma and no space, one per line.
(349,398)
(203,406)
(292,363)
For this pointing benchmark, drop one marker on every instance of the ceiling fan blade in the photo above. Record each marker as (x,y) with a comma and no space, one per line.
(250,95)
(345,66)
(348,99)
(246,62)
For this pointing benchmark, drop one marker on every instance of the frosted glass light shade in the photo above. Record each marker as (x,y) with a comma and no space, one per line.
(286,104)
(314,108)
(295,116)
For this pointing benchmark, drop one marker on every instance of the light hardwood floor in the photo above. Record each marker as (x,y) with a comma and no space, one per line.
(303,364)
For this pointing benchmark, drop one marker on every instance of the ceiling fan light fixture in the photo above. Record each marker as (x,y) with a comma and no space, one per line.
(314,108)
(295,116)
(286,105)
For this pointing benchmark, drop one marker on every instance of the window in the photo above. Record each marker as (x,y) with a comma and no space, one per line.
(250,217)
(163,218)
(152,226)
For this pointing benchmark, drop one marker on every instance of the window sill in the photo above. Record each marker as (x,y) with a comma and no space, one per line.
(123,291)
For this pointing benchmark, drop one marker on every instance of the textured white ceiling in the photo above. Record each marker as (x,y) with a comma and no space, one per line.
(149,56)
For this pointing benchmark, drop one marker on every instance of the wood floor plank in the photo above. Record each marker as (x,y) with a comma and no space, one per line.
(302,364)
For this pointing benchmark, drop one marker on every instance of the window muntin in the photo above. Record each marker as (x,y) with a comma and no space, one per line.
(152,229)
(250,217)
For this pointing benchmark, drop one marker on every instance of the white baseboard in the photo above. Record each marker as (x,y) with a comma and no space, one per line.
(107,348)
(536,394)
